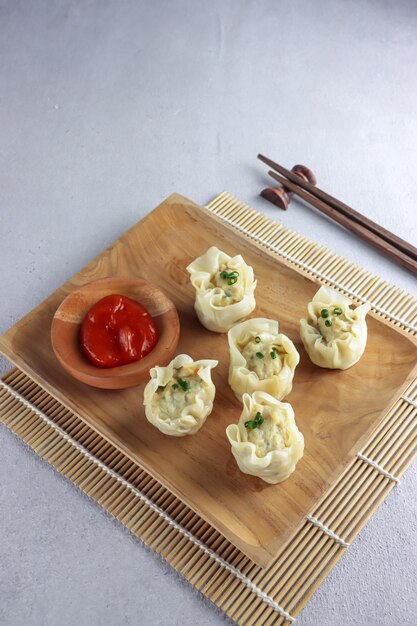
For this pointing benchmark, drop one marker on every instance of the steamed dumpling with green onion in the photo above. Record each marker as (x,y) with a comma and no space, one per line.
(266,442)
(261,358)
(179,397)
(224,288)
(334,334)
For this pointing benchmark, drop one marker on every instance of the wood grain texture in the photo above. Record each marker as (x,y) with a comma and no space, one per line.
(308,183)
(369,236)
(65,331)
(335,410)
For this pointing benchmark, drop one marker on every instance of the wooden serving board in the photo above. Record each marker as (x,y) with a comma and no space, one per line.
(335,410)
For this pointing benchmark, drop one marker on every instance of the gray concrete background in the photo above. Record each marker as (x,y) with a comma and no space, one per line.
(105,109)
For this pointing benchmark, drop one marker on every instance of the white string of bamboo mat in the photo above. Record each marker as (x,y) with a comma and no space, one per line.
(378,467)
(165,516)
(313,270)
(410,401)
(327,531)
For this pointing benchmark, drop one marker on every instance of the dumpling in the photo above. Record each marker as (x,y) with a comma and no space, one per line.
(261,358)
(334,335)
(266,442)
(179,397)
(224,289)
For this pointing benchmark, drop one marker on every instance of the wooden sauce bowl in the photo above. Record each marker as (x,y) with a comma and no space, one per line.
(67,320)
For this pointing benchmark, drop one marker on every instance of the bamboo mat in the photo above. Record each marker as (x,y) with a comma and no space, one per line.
(247,593)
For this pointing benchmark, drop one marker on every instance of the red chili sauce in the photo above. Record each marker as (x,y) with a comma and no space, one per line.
(117,330)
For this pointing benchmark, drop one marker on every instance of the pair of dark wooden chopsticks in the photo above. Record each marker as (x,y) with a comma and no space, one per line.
(389,244)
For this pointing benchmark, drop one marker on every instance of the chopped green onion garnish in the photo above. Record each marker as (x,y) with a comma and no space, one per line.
(259,419)
(175,386)
(259,355)
(257,340)
(231,277)
(252,424)
(273,354)
(324,313)
(328,323)
(184,384)
(337,311)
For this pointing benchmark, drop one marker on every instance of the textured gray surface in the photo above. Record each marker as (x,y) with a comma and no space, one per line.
(105,109)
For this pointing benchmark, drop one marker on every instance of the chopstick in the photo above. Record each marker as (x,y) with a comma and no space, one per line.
(343,208)
(368,236)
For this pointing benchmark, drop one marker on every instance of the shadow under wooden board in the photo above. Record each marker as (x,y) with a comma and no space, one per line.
(335,410)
